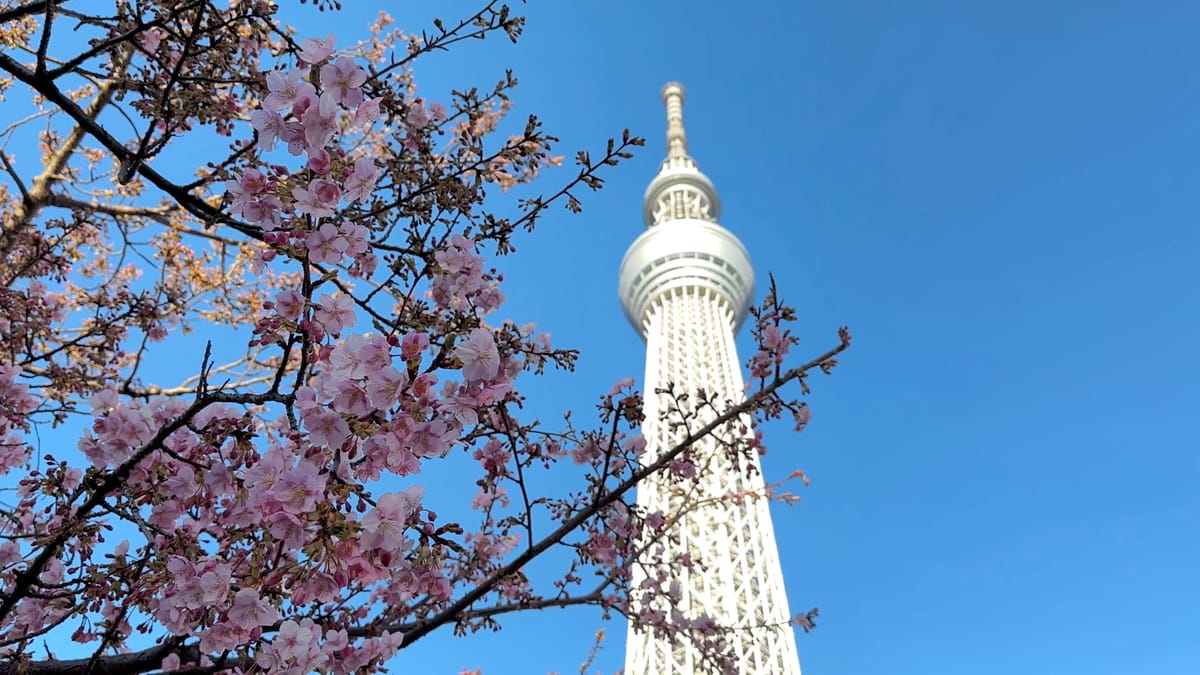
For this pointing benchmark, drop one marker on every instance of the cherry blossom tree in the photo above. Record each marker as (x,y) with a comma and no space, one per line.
(266,511)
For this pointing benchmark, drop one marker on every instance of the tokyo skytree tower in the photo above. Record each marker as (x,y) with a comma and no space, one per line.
(686,285)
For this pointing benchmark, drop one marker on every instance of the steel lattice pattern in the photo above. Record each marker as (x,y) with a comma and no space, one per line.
(735,578)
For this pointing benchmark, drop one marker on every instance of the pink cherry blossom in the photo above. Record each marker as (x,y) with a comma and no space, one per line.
(361,182)
(423,387)
(270,126)
(296,648)
(602,548)
(150,39)
(252,182)
(315,51)
(485,499)
(250,610)
(367,112)
(385,386)
(285,88)
(417,117)
(320,161)
(403,462)
(326,428)
(326,244)
(263,210)
(772,338)
(355,235)
(479,356)
(216,583)
(344,79)
(335,313)
(223,636)
(412,345)
(289,304)
(464,409)
(320,123)
(319,198)
(493,456)
(294,135)
(347,358)
(383,526)
(247,185)
(288,529)
(300,487)
(261,478)
(432,438)
(352,399)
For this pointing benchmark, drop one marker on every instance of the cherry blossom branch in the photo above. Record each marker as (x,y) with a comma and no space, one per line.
(111,664)
(520,472)
(143,150)
(44,42)
(40,189)
(28,577)
(591,510)
(104,45)
(459,610)
(146,660)
(156,213)
(26,198)
(87,123)
(487,19)
(592,597)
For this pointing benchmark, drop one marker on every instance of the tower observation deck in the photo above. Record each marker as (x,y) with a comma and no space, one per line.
(686,285)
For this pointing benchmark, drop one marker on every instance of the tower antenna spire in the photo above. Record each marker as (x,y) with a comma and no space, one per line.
(672,96)
(679,190)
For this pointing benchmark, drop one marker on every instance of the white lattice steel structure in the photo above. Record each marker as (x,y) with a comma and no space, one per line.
(686,284)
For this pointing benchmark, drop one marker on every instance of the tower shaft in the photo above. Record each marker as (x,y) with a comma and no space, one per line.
(686,285)
(723,524)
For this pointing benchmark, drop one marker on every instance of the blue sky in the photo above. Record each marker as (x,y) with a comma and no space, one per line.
(999,200)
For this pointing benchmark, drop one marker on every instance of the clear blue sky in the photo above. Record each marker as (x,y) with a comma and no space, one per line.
(1000,200)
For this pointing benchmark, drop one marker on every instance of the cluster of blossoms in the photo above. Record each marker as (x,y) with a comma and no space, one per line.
(302,647)
(774,345)
(299,212)
(16,403)
(371,407)
(244,541)
(461,284)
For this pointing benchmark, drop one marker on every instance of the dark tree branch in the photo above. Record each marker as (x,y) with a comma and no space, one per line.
(22,11)
(87,123)
(464,603)
(112,664)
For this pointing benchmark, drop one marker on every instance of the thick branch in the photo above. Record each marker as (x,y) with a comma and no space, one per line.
(134,663)
(22,11)
(112,664)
